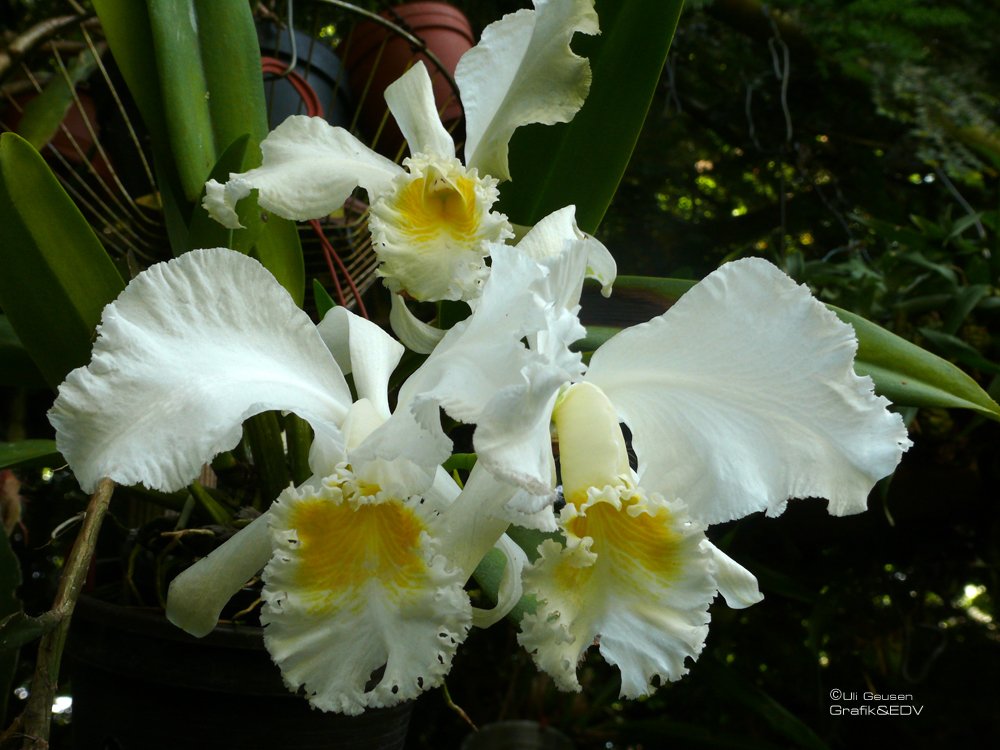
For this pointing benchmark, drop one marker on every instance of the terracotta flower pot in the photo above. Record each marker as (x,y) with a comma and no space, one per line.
(139,683)
(375,57)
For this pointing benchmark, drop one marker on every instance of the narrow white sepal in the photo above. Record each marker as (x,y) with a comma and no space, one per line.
(415,334)
(364,349)
(411,101)
(196,597)
(737,585)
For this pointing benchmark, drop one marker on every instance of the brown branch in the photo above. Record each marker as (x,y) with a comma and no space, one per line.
(37,715)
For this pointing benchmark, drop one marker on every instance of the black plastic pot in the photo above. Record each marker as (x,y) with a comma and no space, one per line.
(517,735)
(139,683)
(316,64)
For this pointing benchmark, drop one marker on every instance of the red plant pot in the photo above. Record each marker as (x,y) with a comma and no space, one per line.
(375,57)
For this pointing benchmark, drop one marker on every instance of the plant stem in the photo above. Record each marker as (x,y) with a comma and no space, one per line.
(38,712)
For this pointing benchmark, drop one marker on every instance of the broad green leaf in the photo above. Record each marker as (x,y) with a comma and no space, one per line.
(25,451)
(205,231)
(911,376)
(903,372)
(174,31)
(230,57)
(56,275)
(280,252)
(582,162)
(125,24)
(16,367)
(43,114)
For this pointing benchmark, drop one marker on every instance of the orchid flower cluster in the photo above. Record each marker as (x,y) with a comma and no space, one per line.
(741,396)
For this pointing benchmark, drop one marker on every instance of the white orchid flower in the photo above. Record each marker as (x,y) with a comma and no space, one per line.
(366,561)
(741,396)
(431,220)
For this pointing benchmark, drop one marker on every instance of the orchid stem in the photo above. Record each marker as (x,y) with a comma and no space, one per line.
(37,716)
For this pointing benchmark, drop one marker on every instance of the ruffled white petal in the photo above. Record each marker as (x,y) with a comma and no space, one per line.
(361,610)
(415,334)
(309,169)
(634,575)
(188,351)
(483,353)
(558,233)
(522,71)
(742,395)
(433,227)
(197,596)
(364,349)
(411,101)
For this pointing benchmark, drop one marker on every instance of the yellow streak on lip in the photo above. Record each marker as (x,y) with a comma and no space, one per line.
(634,547)
(341,548)
(433,205)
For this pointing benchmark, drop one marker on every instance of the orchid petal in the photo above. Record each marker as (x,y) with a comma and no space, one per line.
(633,573)
(187,352)
(743,395)
(411,101)
(558,233)
(510,591)
(737,585)
(357,584)
(309,169)
(522,71)
(433,227)
(415,334)
(483,353)
(470,526)
(197,596)
(532,511)
(403,454)
(364,349)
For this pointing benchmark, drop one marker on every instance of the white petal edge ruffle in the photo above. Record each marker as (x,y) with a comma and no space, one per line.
(743,395)
(522,71)
(187,352)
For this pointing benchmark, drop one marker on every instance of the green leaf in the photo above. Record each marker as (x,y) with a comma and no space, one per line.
(16,367)
(230,57)
(279,250)
(56,275)
(911,376)
(174,30)
(732,686)
(44,113)
(24,451)
(903,372)
(324,302)
(582,162)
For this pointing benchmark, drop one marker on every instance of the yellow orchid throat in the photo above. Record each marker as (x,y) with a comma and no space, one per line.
(433,228)
(439,203)
(635,539)
(342,547)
